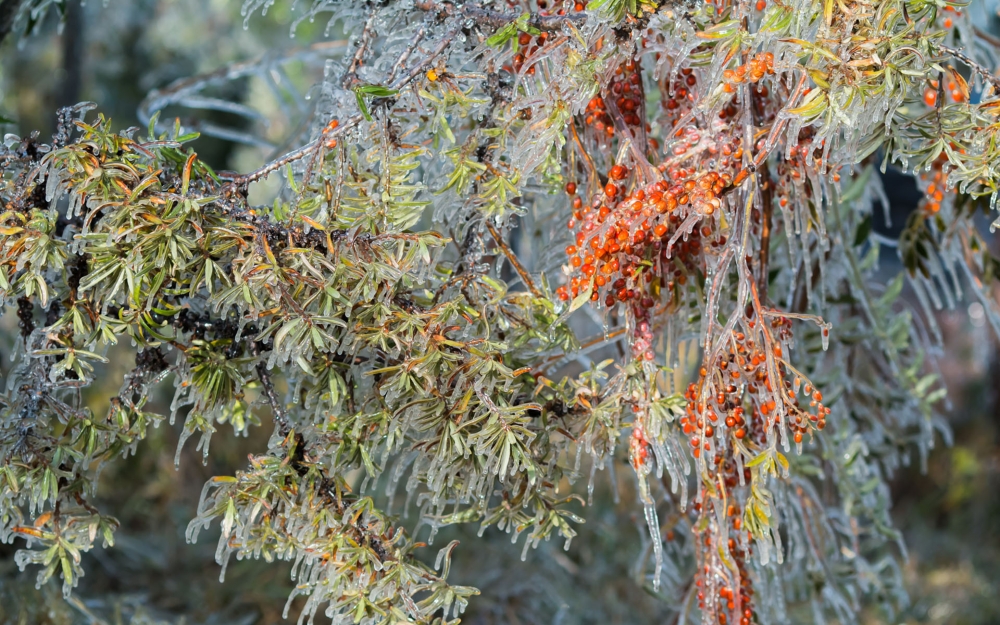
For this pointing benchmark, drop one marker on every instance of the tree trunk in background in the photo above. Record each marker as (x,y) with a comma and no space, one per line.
(8,10)
(72,55)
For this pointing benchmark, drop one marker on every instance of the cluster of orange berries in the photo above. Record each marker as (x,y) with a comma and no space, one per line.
(948,22)
(746,364)
(934,194)
(720,146)
(743,370)
(619,230)
(626,89)
(792,168)
(330,127)
(723,602)
(716,595)
(530,46)
(598,119)
(638,447)
(762,64)
(701,420)
(679,96)
(723,154)
(957,92)
(726,604)
(746,592)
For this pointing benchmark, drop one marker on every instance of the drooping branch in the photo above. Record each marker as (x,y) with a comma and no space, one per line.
(512,258)
(986,74)
(325,138)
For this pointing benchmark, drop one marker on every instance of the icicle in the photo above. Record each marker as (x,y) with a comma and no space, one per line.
(590,484)
(653,523)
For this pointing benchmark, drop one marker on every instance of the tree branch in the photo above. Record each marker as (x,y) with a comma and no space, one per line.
(497,19)
(324,138)
(767,197)
(518,267)
(986,74)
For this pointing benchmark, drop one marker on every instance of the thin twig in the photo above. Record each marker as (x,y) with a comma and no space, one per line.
(587,344)
(405,56)
(525,277)
(986,74)
(769,144)
(498,19)
(767,197)
(594,181)
(284,427)
(351,75)
(177,91)
(985,36)
(319,142)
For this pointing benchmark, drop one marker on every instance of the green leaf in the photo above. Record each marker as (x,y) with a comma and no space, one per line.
(502,36)
(863,231)
(377,91)
(362,105)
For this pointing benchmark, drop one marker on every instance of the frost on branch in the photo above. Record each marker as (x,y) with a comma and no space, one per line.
(517,248)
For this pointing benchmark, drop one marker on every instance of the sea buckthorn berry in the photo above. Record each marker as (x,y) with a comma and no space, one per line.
(930,96)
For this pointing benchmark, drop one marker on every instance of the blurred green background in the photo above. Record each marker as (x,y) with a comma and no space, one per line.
(115,55)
